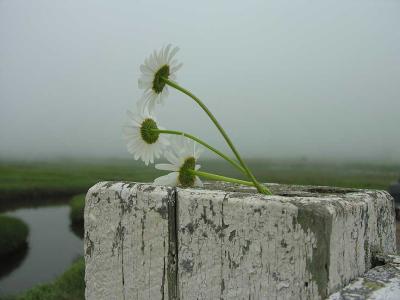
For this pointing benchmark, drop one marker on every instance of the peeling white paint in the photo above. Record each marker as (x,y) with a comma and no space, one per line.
(301,243)
(126,242)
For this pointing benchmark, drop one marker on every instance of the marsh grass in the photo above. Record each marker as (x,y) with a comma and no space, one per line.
(64,178)
(69,176)
(13,235)
(77,206)
(32,184)
(352,175)
(69,286)
(27,184)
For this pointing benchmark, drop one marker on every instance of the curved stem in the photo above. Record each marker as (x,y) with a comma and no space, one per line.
(220,178)
(231,161)
(173,84)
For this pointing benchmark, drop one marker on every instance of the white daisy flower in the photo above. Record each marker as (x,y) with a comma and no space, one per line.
(183,158)
(157,65)
(142,142)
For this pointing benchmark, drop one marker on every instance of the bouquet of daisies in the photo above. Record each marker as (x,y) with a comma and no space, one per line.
(148,141)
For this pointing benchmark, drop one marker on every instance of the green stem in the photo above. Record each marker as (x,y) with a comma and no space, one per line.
(220,178)
(234,163)
(173,84)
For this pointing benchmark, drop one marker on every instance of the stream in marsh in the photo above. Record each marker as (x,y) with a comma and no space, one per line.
(52,247)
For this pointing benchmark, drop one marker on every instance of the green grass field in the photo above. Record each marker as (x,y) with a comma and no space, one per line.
(73,177)
(63,178)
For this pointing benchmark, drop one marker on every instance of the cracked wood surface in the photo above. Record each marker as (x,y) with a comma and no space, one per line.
(227,242)
(126,241)
(301,243)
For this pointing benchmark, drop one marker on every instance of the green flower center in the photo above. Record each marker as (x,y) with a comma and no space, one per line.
(149,136)
(187,179)
(158,83)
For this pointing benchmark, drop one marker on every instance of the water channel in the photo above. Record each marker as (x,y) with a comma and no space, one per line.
(52,247)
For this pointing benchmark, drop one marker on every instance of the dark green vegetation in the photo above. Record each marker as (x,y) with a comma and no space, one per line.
(13,235)
(77,206)
(69,286)
(76,214)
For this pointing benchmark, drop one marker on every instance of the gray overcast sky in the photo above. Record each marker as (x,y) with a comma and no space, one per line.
(316,79)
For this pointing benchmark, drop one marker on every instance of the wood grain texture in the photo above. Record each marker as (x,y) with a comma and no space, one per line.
(228,242)
(126,241)
(302,243)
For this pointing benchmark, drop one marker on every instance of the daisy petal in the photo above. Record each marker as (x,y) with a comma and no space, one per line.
(173,52)
(136,143)
(153,93)
(167,167)
(198,182)
(172,158)
(170,179)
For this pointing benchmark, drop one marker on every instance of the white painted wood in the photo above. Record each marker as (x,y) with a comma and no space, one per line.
(227,242)
(304,244)
(126,241)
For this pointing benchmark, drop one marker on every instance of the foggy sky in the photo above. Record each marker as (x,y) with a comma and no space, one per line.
(315,79)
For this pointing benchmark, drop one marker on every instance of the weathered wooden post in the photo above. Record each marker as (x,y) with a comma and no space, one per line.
(227,242)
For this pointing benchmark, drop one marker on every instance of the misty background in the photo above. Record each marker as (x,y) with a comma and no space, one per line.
(286,79)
